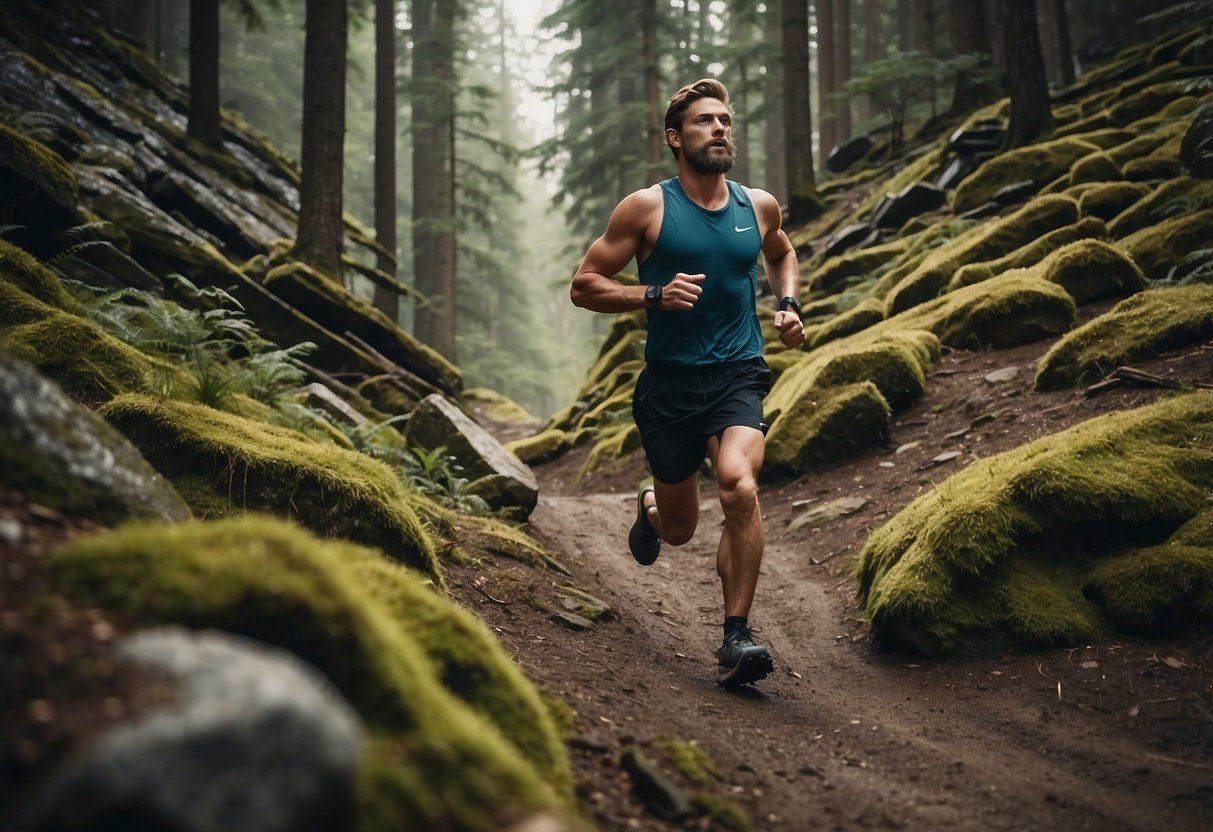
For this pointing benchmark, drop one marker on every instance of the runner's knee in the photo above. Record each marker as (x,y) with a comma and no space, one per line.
(738,495)
(675,532)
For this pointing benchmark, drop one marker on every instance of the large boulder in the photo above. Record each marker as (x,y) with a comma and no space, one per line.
(843,155)
(912,200)
(254,739)
(37,188)
(62,456)
(822,426)
(498,476)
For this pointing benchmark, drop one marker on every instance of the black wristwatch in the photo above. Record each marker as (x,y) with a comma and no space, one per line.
(652,296)
(789,303)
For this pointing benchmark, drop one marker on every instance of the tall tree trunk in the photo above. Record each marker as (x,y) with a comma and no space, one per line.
(969,37)
(145,26)
(434,173)
(386,299)
(204,73)
(1031,116)
(905,25)
(739,32)
(1065,52)
(654,119)
(798,120)
(874,45)
(842,67)
(775,174)
(173,39)
(924,36)
(827,133)
(322,151)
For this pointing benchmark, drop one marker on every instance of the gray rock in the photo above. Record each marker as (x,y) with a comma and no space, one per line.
(857,235)
(1006,374)
(571,621)
(322,398)
(844,155)
(833,510)
(503,480)
(1015,192)
(656,791)
(256,741)
(912,200)
(62,456)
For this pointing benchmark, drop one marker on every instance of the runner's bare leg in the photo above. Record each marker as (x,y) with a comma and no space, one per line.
(738,457)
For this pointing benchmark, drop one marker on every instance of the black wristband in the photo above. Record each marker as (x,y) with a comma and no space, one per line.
(789,301)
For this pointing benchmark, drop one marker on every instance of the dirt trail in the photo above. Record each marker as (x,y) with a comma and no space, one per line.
(1115,736)
(841,737)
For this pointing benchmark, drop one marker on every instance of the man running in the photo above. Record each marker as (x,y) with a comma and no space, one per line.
(696,239)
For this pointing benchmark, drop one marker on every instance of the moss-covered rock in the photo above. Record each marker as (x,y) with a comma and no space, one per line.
(1041,163)
(1135,329)
(628,347)
(260,467)
(613,445)
(37,187)
(896,365)
(27,273)
(833,274)
(984,242)
(1095,167)
(497,406)
(823,426)
(863,315)
(1003,312)
(542,447)
(470,757)
(1159,588)
(1029,254)
(1181,195)
(1153,169)
(62,456)
(1092,270)
(1159,249)
(1106,201)
(333,307)
(1000,549)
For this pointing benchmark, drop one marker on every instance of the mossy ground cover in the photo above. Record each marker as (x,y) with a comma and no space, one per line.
(469,758)
(1004,549)
(1136,329)
(258,467)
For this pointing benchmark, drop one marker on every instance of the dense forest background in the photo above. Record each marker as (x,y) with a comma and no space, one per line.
(486,141)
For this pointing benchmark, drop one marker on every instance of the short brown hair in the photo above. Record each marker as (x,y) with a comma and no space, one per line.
(681,100)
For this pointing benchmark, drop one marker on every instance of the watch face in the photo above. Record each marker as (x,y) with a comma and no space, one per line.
(652,295)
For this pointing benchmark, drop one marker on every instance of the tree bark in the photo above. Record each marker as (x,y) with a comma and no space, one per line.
(434,173)
(875,46)
(775,174)
(739,32)
(654,120)
(827,123)
(1065,52)
(386,299)
(905,26)
(1031,116)
(924,27)
(842,67)
(322,151)
(204,73)
(798,120)
(969,37)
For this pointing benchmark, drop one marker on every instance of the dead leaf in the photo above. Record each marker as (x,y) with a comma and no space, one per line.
(1171,661)
(1135,710)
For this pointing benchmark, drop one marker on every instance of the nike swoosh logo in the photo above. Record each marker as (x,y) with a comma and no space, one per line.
(739,230)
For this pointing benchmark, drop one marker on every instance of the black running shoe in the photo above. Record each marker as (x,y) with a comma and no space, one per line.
(741,661)
(643,539)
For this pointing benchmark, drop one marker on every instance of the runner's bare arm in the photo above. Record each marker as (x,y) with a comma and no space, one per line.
(783,272)
(594,285)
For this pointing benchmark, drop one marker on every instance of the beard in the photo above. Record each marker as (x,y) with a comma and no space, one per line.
(712,158)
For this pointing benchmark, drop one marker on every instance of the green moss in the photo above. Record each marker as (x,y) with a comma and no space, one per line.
(1138,328)
(34,161)
(470,664)
(942,571)
(90,365)
(1108,200)
(1136,148)
(1144,103)
(471,535)
(613,446)
(1158,249)
(629,347)
(833,274)
(501,408)
(1041,163)
(1091,270)
(1155,589)
(541,447)
(984,242)
(896,365)
(689,759)
(617,407)
(824,426)
(27,273)
(1095,167)
(867,313)
(1028,254)
(261,467)
(722,812)
(431,761)
(1181,195)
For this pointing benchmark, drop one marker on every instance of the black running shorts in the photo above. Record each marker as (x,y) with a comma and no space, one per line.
(677,408)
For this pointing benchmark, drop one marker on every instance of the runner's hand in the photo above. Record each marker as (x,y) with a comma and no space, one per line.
(682,291)
(791,331)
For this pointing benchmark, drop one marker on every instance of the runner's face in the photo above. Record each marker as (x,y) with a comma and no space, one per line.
(707,136)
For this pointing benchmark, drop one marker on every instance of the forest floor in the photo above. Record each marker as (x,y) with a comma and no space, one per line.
(1109,736)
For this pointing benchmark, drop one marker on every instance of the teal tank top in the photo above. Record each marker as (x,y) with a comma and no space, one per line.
(724,245)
